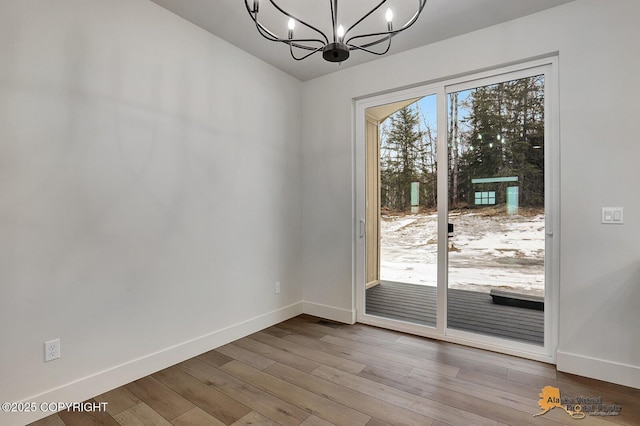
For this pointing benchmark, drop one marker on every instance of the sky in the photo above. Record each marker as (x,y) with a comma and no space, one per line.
(428,108)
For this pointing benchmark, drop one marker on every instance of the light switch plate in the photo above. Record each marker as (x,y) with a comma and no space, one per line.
(613,215)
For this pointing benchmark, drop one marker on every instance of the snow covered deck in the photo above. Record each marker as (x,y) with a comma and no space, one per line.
(468,310)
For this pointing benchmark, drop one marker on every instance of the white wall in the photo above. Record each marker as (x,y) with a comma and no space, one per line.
(149,194)
(599,91)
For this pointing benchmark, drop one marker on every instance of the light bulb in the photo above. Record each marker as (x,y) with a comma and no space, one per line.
(291,25)
(389,15)
(340,32)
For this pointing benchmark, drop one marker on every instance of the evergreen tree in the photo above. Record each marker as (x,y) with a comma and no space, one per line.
(400,155)
(505,137)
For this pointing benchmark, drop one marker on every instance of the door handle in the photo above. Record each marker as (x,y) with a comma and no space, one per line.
(361,228)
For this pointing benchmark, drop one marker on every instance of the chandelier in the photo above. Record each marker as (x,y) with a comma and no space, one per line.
(335,47)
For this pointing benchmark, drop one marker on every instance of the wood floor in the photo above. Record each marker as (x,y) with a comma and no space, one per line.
(307,371)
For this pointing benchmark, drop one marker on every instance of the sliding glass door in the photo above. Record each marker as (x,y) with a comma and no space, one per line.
(456,236)
(496,169)
(405,211)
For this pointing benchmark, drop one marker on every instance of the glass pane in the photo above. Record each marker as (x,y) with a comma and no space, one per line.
(408,216)
(496,206)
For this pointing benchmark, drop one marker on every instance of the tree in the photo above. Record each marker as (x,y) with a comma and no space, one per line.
(453,144)
(503,136)
(400,154)
(428,163)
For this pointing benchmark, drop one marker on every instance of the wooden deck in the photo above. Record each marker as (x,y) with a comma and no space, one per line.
(468,310)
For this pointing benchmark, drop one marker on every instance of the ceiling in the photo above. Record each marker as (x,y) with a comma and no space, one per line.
(441,19)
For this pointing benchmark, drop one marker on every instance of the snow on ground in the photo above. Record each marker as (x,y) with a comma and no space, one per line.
(486,251)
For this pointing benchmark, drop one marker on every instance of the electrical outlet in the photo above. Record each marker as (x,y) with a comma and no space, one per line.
(278,288)
(51,350)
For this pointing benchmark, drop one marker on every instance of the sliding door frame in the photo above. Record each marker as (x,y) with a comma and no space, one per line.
(548,67)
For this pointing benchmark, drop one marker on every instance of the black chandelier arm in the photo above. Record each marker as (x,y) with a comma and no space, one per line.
(388,34)
(249,10)
(365,48)
(365,17)
(270,35)
(384,36)
(284,12)
(295,43)
(264,32)
(291,45)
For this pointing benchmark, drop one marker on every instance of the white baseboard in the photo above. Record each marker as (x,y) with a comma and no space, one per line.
(609,371)
(103,381)
(330,312)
